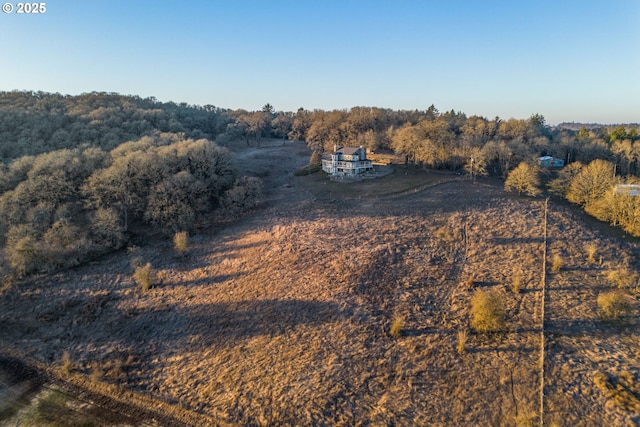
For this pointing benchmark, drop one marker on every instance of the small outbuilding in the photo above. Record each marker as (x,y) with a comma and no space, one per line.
(550,162)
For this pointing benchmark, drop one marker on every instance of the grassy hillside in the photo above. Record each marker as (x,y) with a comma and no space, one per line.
(341,304)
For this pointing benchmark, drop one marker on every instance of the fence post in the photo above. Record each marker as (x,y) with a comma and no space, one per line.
(544,289)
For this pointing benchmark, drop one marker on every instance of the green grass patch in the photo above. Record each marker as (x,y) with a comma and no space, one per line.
(308,170)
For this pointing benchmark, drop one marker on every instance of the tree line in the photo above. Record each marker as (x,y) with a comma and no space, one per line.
(602,193)
(442,140)
(595,187)
(60,208)
(37,122)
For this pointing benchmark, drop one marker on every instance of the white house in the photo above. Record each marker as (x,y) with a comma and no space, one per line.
(347,161)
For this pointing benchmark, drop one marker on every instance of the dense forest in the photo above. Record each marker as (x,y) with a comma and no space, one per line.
(35,122)
(79,173)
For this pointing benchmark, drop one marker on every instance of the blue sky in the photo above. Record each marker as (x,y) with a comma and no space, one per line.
(567,60)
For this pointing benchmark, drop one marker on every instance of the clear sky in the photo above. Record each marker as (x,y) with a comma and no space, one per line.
(567,60)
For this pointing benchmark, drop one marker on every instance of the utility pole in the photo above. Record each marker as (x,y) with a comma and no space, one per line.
(472,177)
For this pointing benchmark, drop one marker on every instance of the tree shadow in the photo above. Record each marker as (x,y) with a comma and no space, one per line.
(504,349)
(438,196)
(421,332)
(592,327)
(573,268)
(249,318)
(485,284)
(191,260)
(600,288)
(201,282)
(203,325)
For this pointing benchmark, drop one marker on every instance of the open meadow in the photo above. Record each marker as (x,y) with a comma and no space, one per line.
(350,304)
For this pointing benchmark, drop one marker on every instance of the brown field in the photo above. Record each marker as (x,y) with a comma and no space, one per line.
(344,304)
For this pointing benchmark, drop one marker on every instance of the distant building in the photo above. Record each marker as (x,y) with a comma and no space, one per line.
(550,162)
(347,161)
(627,189)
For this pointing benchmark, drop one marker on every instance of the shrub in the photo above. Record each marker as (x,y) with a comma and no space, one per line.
(181,242)
(106,228)
(61,235)
(468,284)
(623,391)
(487,311)
(308,170)
(66,366)
(243,196)
(316,159)
(528,419)
(462,342)
(524,179)
(6,280)
(615,304)
(176,201)
(516,283)
(622,277)
(396,326)
(145,276)
(97,374)
(557,263)
(591,250)
(446,233)
(591,183)
(25,255)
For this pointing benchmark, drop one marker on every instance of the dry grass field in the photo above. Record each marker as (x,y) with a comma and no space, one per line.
(349,304)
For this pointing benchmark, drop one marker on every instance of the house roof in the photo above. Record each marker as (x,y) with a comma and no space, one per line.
(349,151)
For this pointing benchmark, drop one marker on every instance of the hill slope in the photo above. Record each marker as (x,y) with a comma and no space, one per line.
(284,317)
